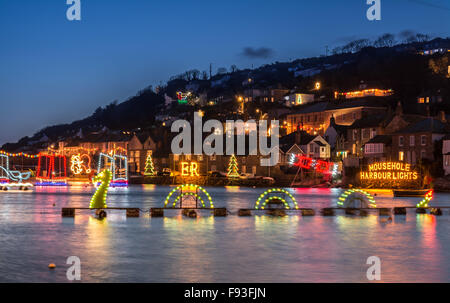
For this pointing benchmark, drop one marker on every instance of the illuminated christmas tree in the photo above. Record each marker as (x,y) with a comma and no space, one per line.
(149,168)
(233,167)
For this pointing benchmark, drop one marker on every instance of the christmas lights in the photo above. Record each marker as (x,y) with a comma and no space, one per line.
(350,197)
(119,172)
(189,169)
(310,163)
(7,175)
(389,171)
(54,175)
(233,171)
(275,194)
(149,168)
(18,155)
(77,164)
(426,200)
(99,198)
(188,190)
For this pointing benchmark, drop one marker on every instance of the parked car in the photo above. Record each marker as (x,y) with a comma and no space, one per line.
(217,174)
(165,172)
(246,176)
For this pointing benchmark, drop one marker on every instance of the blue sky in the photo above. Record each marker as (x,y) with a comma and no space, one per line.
(55,71)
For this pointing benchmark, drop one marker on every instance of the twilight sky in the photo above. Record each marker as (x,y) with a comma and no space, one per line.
(55,71)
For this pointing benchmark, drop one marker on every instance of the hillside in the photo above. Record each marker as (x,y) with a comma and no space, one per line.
(400,67)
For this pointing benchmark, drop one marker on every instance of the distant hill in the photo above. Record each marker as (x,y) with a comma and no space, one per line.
(400,67)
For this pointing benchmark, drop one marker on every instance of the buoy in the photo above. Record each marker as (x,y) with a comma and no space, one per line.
(190,213)
(51,265)
(100,213)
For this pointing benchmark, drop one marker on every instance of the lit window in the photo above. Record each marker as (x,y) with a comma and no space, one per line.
(401,156)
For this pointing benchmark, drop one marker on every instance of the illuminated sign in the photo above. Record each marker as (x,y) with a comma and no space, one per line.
(189,169)
(389,171)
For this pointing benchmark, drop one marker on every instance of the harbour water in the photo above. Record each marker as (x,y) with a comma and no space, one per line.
(412,248)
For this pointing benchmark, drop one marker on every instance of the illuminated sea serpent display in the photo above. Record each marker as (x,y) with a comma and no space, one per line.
(99,198)
(424,202)
(349,197)
(275,195)
(192,191)
(7,175)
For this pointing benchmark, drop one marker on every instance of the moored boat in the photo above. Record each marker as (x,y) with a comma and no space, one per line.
(410,192)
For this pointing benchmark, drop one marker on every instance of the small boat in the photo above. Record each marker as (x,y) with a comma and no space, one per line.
(410,192)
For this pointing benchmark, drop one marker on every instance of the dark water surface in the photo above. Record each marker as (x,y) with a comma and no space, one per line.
(413,248)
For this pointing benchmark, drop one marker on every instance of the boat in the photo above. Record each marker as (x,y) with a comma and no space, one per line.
(410,192)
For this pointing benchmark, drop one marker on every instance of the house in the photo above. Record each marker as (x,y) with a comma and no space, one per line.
(416,142)
(336,135)
(140,146)
(446,154)
(363,130)
(313,146)
(315,118)
(378,149)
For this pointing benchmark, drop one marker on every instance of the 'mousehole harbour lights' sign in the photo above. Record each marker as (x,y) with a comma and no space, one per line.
(389,171)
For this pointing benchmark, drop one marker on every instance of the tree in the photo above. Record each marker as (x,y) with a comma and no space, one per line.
(386,40)
(233,171)
(233,68)
(149,168)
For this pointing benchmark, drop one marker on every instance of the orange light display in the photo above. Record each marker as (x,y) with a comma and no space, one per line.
(189,169)
(389,171)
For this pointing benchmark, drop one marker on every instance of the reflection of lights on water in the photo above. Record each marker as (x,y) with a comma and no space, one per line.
(265,222)
(232,189)
(149,187)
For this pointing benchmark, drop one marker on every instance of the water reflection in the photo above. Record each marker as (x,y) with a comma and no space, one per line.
(216,249)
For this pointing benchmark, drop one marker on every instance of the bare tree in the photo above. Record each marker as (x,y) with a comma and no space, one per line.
(385,40)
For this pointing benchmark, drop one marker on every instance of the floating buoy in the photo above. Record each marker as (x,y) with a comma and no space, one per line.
(100,213)
(189,213)
(51,265)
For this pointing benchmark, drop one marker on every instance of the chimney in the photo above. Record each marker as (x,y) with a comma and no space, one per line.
(399,109)
(441,116)
(298,136)
(332,121)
